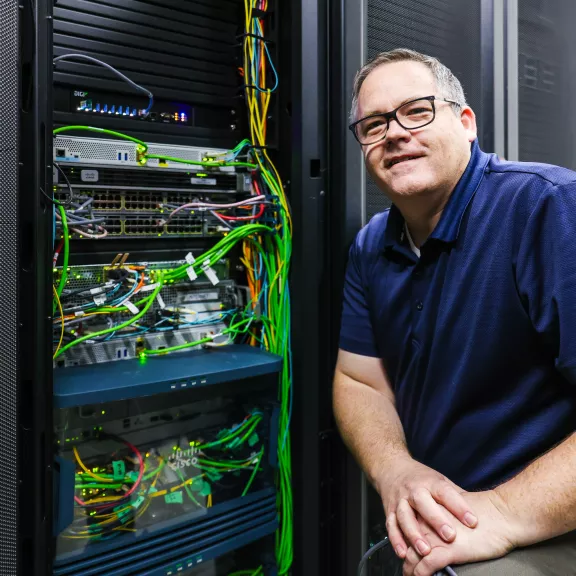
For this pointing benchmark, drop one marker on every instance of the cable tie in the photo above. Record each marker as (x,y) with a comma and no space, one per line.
(255,36)
(257,13)
(251,86)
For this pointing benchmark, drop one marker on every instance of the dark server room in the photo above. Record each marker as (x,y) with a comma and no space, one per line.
(187,193)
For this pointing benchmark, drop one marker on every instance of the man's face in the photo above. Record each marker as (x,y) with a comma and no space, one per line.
(442,149)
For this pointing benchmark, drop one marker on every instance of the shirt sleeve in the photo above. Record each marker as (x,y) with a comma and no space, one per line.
(356,334)
(546,274)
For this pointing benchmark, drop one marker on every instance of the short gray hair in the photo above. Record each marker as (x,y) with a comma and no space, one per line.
(448,85)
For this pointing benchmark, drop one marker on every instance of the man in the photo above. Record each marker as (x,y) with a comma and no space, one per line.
(455,381)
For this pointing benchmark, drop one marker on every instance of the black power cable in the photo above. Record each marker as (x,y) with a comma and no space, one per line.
(382,544)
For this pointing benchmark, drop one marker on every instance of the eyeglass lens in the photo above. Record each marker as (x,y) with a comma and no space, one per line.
(410,116)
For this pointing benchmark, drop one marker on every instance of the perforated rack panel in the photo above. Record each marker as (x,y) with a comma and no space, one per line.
(184,52)
(9,112)
(447,29)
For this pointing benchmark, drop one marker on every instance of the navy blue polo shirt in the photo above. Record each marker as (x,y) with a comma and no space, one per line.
(478,335)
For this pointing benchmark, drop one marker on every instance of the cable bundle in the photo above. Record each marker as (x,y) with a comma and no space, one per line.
(114,496)
(271,254)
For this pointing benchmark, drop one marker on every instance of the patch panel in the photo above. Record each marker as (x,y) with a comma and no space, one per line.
(104,200)
(141,226)
(189,225)
(120,226)
(109,109)
(127,110)
(143,201)
(133,200)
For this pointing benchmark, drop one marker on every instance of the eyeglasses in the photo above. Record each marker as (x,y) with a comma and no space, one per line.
(411,116)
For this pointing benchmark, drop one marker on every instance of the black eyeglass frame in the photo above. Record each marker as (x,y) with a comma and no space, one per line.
(393,115)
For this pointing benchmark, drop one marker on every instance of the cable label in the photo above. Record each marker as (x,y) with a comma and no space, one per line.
(189,258)
(99,300)
(160,301)
(131,306)
(191,273)
(148,287)
(210,273)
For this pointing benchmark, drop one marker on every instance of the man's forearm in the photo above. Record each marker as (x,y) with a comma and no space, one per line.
(541,500)
(370,426)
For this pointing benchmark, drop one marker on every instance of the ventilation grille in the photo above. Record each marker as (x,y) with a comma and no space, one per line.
(546,74)
(125,177)
(9,75)
(186,52)
(446,29)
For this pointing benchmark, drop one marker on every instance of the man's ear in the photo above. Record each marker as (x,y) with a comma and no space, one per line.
(468,119)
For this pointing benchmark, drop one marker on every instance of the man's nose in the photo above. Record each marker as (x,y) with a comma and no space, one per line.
(396,131)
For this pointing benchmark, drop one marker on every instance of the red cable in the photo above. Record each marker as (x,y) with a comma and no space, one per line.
(224,217)
(57,253)
(131,491)
(262,206)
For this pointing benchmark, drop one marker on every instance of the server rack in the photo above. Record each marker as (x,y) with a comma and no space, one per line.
(93,414)
(160,468)
(463,38)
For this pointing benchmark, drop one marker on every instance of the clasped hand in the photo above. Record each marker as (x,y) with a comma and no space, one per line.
(433,523)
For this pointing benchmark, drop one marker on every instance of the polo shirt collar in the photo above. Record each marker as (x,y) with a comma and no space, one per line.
(448,227)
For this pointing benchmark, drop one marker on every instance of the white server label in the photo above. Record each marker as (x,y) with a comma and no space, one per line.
(203,181)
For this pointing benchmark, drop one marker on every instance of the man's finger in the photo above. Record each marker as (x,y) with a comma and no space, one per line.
(434,562)
(395,536)
(411,561)
(454,502)
(410,528)
(434,514)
